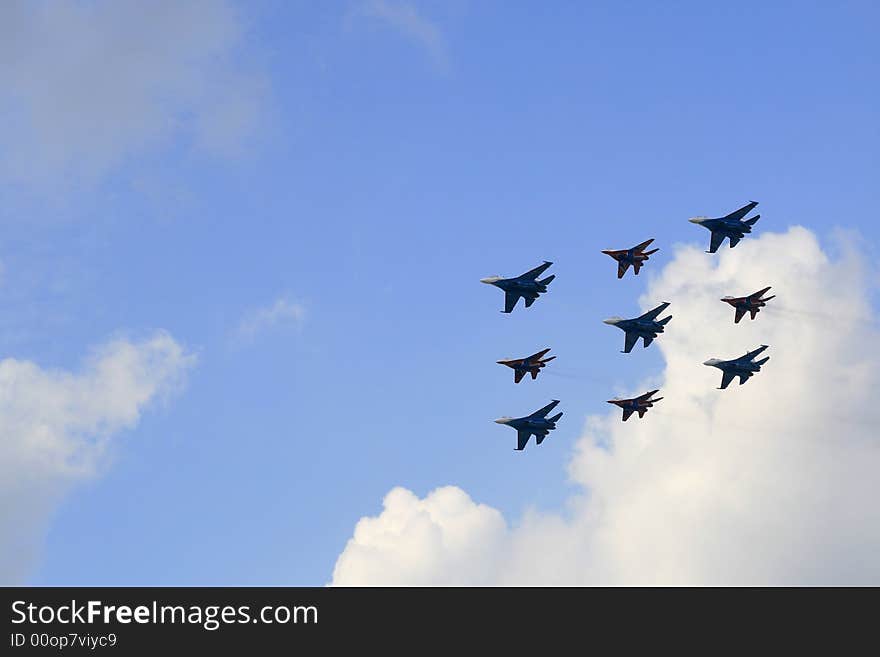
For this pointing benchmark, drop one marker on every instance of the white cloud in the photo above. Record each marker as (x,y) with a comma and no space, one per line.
(56,428)
(87,85)
(773,482)
(406,19)
(282,313)
(443,539)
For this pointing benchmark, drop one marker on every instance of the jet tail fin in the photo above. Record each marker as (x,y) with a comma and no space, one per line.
(547,280)
(768,298)
(751,222)
(762,361)
(664,321)
(555,418)
(652,251)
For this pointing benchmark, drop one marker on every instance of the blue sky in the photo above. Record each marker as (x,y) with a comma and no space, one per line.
(395,153)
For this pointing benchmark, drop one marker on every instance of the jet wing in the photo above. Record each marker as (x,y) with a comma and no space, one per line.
(636,267)
(726,378)
(510,299)
(652,314)
(759,294)
(630,341)
(532,274)
(737,215)
(543,412)
(518,375)
(522,437)
(537,356)
(715,241)
(739,315)
(626,413)
(622,266)
(641,247)
(751,355)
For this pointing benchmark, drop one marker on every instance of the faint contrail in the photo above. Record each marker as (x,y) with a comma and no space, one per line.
(776,309)
(575,376)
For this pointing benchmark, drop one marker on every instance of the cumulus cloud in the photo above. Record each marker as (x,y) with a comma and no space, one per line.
(442,539)
(86,85)
(409,22)
(773,482)
(283,312)
(56,428)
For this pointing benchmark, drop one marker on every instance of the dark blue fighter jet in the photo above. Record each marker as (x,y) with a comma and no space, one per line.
(526,286)
(528,365)
(750,304)
(635,256)
(537,424)
(743,367)
(645,326)
(639,404)
(732,226)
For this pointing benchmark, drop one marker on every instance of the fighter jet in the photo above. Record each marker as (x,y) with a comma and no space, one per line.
(635,256)
(644,326)
(743,367)
(526,286)
(730,226)
(531,364)
(639,404)
(537,423)
(750,304)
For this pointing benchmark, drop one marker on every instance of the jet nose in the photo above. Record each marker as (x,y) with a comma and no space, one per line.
(488,281)
(502,420)
(710,362)
(696,220)
(611,321)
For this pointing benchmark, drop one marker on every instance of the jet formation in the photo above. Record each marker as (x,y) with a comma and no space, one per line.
(528,365)
(750,304)
(525,285)
(730,226)
(647,327)
(537,424)
(635,256)
(639,404)
(528,286)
